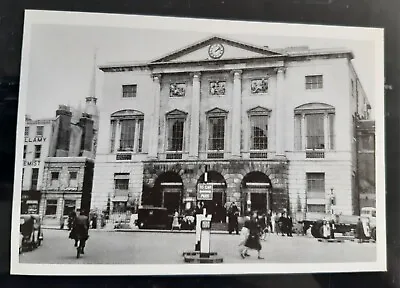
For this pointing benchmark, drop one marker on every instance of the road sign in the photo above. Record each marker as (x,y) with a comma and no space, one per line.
(204,192)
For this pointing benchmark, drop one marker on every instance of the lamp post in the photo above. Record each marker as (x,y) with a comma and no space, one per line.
(332,201)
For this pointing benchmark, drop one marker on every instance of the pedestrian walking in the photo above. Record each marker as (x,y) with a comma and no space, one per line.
(253,237)
(233,214)
(269,222)
(283,224)
(80,230)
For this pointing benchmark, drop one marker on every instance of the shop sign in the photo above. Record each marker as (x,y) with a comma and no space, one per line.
(31,163)
(204,192)
(35,139)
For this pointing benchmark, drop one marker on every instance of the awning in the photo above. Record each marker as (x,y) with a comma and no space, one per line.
(120,199)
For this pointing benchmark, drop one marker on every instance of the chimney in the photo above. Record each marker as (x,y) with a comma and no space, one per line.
(64,130)
(86,123)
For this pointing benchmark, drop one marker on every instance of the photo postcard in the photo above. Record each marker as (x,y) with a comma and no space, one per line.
(175,146)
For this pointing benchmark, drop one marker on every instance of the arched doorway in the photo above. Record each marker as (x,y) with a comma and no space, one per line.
(168,192)
(216,206)
(256,191)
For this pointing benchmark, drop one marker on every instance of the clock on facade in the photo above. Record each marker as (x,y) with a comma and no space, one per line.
(216,50)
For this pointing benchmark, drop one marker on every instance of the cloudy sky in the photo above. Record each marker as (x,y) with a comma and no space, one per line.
(61,58)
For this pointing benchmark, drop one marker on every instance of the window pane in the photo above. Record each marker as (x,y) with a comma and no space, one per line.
(259,132)
(38,148)
(51,207)
(35,176)
(175,134)
(314,82)
(316,183)
(26,131)
(69,206)
(127,134)
(315,131)
(39,131)
(129,91)
(216,133)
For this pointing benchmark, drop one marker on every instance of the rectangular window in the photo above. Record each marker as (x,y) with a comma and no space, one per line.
(73,179)
(35,177)
(127,135)
(121,184)
(38,149)
(54,179)
(27,131)
(175,134)
(69,206)
(113,134)
(314,82)
(216,138)
(39,131)
(315,131)
(129,91)
(119,207)
(297,132)
(331,119)
(24,155)
(51,207)
(259,132)
(316,208)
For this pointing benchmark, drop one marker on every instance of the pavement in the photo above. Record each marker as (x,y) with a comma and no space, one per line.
(106,247)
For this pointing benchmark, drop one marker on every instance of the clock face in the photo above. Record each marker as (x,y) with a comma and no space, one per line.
(216,50)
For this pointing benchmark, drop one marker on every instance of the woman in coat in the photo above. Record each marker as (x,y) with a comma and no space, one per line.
(253,239)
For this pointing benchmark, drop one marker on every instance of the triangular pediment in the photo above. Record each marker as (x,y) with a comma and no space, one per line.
(225,49)
(217,111)
(259,110)
(176,113)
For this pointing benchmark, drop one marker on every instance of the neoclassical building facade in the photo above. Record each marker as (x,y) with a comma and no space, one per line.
(274,129)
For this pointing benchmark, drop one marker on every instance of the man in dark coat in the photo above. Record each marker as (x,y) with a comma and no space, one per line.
(233,215)
(80,230)
(360,231)
(283,224)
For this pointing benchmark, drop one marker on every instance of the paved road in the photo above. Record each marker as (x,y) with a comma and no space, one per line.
(166,248)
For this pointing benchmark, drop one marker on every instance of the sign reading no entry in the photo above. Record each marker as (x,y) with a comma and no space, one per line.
(204,192)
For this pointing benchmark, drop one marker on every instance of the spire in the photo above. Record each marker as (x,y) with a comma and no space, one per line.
(92,91)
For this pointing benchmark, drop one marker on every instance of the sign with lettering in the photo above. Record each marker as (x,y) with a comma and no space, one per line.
(31,163)
(35,139)
(204,192)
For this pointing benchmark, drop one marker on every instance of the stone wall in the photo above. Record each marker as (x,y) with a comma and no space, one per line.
(233,172)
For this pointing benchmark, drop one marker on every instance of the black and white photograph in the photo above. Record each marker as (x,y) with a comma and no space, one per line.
(154,145)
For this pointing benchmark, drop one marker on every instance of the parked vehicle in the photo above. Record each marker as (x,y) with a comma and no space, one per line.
(342,223)
(153,217)
(31,233)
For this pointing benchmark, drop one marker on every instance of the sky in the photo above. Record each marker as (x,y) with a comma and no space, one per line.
(61,58)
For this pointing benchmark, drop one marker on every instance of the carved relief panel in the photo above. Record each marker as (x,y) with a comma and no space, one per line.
(177,89)
(217,88)
(259,86)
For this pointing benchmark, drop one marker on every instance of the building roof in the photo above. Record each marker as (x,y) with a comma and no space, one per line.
(262,51)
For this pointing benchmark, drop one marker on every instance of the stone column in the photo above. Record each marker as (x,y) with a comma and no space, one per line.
(236,113)
(153,147)
(195,118)
(280,112)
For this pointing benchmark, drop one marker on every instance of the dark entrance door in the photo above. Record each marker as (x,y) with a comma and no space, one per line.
(216,206)
(172,199)
(259,202)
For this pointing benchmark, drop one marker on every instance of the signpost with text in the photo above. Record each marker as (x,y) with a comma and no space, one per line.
(204,192)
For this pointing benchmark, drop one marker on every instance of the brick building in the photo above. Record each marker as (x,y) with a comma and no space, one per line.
(273,127)
(38,136)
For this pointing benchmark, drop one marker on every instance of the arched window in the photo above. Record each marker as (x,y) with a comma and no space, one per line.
(314,127)
(126,131)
